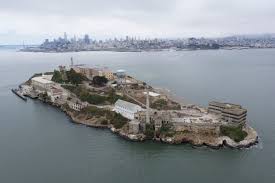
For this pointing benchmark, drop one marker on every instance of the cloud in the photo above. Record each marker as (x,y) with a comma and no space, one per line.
(34,20)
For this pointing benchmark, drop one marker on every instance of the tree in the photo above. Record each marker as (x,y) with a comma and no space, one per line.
(74,77)
(57,77)
(100,80)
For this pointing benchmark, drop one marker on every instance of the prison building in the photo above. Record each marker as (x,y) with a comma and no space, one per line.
(231,113)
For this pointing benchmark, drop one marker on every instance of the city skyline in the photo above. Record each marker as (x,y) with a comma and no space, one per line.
(32,22)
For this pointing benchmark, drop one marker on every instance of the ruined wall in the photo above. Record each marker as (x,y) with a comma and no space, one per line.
(201,128)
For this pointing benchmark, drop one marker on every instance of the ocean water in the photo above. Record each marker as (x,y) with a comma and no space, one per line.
(38,143)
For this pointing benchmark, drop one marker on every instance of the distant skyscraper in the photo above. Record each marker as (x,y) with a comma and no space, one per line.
(86,39)
(65,36)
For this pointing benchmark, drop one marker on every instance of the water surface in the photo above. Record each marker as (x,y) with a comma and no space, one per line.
(38,143)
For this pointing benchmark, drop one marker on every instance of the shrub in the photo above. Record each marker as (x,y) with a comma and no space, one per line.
(74,77)
(149,131)
(57,77)
(118,120)
(115,119)
(100,80)
(104,122)
(235,133)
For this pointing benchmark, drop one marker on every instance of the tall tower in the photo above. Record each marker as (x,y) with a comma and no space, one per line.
(72,62)
(147,106)
(65,36)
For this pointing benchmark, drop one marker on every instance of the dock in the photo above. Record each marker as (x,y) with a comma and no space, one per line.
(19,94)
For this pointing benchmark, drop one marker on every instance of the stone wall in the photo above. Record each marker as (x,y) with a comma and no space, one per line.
(202,128)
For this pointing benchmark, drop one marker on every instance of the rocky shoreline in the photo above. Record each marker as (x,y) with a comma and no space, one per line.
(196,140)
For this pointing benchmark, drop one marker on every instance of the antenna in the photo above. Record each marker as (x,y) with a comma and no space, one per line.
(72,62)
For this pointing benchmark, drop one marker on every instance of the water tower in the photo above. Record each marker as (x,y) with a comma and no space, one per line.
(121,76)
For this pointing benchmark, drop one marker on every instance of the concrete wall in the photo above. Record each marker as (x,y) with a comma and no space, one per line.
(198,127)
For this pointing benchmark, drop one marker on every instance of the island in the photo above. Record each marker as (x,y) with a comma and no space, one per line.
(101,98)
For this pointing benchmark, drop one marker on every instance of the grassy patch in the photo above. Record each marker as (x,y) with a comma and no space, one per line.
(83,94)
(235,133)
(109,116)
(162,104)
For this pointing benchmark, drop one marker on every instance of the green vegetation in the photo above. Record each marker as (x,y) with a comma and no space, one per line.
(72,77)
(57,77)
(75,78)
(166,130)
(159,104)
(235,133)
(109,116)
(162,104)
(118,120)
(83,94)
(149,131)
(100,81)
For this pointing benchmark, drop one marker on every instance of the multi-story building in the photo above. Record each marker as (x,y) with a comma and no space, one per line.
(84,70)
(231,113)
(108,73)
(90,72)
(41,83)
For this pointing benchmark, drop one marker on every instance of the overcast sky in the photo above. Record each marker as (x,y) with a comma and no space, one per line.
(34,20)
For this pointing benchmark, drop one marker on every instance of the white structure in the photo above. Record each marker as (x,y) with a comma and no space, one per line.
(77,105)
(152,94)
(127,109)
(42,83)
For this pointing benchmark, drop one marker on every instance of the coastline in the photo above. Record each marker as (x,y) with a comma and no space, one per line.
(132,50)
(196,140)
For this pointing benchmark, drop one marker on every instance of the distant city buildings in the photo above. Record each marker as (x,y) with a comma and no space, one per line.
(133,44)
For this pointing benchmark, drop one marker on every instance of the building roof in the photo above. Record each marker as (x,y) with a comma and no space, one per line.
(152,94)
(235,111)
(224,105)
(56,90)
(127,105)
(229,108)
(41,79)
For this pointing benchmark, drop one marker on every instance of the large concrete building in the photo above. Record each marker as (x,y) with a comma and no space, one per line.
(41,83)
(90,72)
(127,109)
(230,113)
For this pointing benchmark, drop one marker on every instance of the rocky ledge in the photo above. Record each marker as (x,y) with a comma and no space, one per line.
(212,140)
(179,138)
(195,139)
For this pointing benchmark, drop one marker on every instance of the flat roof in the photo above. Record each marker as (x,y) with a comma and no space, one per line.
(42,80)
(128,105)
(152,94)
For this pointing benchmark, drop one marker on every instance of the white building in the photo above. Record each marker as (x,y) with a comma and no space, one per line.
(41,83)
(127,109)
(77,105)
